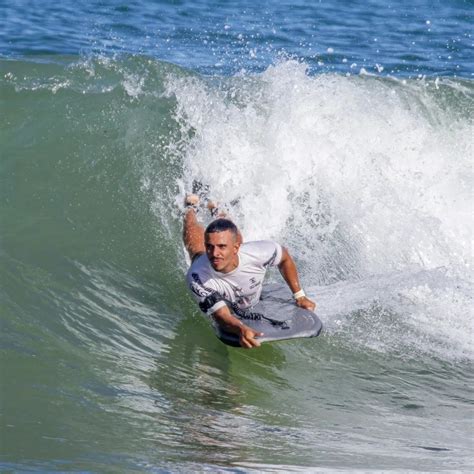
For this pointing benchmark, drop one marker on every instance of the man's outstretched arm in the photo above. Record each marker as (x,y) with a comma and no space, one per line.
(288,270)
(230,323)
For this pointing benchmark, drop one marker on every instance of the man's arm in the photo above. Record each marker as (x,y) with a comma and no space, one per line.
(288,270)
(234,325)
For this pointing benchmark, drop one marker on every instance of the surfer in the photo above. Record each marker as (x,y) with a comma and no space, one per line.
(227,274)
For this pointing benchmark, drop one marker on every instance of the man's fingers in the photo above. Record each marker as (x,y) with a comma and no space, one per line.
(249,341)
(245,344)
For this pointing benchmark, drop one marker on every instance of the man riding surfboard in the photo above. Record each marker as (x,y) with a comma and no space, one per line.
(227,274)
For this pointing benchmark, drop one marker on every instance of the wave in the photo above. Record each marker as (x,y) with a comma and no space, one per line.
(367,180)
(359,176)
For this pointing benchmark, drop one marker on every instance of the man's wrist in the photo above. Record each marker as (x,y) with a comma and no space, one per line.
(239,325)
(299,294)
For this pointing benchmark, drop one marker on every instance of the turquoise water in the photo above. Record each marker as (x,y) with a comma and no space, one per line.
(108,112)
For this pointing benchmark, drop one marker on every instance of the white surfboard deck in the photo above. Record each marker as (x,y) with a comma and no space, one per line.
(277,316)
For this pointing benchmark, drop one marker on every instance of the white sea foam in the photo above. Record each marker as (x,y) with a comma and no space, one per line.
(412,312)
(358,176)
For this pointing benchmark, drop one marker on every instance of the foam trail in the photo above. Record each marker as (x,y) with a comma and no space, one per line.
(411,312)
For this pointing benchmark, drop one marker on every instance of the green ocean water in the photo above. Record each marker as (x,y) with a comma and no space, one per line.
(106,363)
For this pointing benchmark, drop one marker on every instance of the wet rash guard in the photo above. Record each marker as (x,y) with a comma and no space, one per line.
(240,288)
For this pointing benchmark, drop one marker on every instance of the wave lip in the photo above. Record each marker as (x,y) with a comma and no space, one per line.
(380,166)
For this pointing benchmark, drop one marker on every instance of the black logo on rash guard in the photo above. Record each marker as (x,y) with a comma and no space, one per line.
(196,278)
(198,288)
(271,260)
(254,283)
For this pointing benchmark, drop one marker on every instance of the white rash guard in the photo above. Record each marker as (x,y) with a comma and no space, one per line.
(242,287)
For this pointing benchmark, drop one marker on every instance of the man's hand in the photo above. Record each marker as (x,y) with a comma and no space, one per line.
(230,323)
(305,303)
(247,337)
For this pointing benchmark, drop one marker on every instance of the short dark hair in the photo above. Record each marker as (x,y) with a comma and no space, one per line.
(221,225)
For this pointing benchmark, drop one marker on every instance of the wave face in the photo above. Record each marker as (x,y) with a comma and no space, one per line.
(368,182)
(359,176)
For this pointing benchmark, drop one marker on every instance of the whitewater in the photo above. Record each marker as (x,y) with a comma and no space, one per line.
(360,176)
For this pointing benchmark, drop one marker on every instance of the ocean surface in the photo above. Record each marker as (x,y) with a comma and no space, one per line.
(342,129)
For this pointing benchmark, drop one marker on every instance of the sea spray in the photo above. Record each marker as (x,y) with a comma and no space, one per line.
(376,164)
(358,176)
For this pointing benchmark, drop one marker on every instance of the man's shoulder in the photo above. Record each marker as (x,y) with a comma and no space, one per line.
(200,277)
(258,246)
(199,264)
(263,252)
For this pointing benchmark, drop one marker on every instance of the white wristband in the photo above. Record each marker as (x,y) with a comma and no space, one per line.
(299,294)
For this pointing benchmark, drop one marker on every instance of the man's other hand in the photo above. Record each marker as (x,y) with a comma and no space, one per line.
(305,303)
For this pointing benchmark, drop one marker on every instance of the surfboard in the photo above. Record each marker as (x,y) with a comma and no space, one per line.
(277,316)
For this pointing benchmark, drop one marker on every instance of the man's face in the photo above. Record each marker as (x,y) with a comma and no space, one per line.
(221,250)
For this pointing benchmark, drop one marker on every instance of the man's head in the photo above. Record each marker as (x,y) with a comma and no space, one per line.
(222,241)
